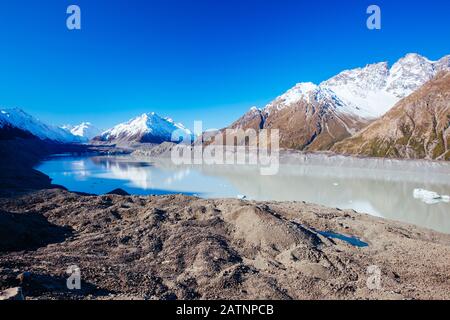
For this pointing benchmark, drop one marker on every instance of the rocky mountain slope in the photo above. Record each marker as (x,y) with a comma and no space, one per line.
(314,117)
(179,247)
(417,127)
(147,128)
(314,122)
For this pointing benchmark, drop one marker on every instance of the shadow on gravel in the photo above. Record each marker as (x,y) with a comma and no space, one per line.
(44,286)
(28,231)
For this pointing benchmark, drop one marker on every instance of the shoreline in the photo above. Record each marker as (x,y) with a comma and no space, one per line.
(290,156)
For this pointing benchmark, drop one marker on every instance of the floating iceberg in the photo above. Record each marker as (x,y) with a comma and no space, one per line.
(429,197)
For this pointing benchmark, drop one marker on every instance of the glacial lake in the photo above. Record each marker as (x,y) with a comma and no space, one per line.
(393,191)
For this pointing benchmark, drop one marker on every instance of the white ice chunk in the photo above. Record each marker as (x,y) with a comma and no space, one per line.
(430,197)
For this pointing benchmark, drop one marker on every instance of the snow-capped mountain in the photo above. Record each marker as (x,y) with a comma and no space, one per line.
(416,127)
(18,120)
(340,106)
(371,91)
(149,127)
(85,130)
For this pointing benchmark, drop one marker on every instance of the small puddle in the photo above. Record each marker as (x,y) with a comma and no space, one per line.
(351,240)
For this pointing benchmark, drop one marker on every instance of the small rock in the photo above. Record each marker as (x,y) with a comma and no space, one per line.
(12,294)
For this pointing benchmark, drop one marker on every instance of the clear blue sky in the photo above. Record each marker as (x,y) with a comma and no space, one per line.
(208,60)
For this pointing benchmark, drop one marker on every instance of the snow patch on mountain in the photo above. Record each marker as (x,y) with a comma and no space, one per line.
(301,90)
(19,119)
(255,109)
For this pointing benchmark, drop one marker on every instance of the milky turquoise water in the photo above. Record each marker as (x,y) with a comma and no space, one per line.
(378,191)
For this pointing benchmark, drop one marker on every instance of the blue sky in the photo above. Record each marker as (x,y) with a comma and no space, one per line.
(206,60)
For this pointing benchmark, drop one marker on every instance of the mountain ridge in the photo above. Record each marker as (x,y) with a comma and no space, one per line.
(17,123)
(416,127)
(313,117)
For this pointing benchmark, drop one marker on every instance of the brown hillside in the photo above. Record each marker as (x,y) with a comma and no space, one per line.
(304,125)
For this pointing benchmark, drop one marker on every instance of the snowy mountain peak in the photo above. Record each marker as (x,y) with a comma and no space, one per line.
(414,58)
(305,92)
(443,64)
(19,119)
(301,91)
(409,73)
(305,87)
(148,127)
(85,130)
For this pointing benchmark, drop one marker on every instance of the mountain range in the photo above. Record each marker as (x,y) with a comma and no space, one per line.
(377,110)
(16,122)
(146,128)
(314,117)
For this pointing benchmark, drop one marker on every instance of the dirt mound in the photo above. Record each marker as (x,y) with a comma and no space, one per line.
(262,229)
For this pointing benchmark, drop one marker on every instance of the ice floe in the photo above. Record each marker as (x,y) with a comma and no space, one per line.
(430,197)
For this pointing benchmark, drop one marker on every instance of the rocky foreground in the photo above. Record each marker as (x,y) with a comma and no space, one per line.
(179,247)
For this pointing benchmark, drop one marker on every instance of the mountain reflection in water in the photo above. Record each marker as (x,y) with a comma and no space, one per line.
(377,191)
